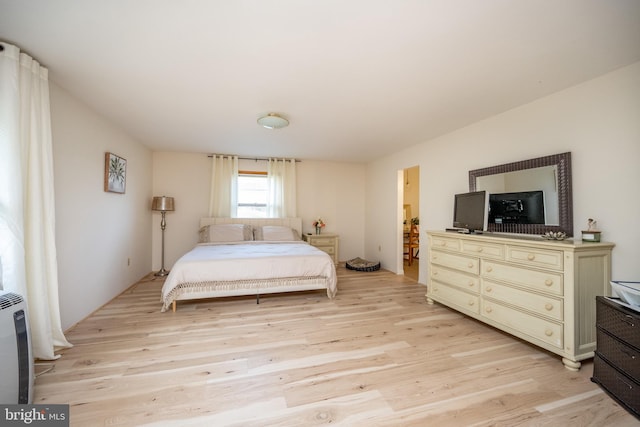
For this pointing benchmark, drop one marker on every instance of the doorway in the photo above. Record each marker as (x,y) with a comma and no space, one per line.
(411,221)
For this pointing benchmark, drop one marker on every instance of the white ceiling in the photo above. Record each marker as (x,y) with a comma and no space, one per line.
(358,79)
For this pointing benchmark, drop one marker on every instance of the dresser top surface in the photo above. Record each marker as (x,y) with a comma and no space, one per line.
(523,239)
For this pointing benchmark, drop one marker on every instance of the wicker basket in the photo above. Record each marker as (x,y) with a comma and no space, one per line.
(619,321)
(617,385)
(619,354)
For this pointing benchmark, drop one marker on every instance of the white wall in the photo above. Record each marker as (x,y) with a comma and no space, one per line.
(597,121)
(96,232)
(185,177)
(333,191)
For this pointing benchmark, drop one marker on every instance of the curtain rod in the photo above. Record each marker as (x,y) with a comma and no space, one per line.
(251,158)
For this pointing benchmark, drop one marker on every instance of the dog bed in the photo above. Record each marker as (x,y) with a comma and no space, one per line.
(360,264)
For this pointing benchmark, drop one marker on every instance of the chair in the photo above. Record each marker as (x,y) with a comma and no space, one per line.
(411,242)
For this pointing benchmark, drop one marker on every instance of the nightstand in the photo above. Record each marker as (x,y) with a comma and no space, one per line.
(325,242)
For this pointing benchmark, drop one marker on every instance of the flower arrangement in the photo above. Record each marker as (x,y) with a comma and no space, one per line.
(318,224)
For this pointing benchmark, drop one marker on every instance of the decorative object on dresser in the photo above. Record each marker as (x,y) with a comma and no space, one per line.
(616,366)
(319,225)
(325,242)
(554,235)
(591,234)
(538,290)
(162,204)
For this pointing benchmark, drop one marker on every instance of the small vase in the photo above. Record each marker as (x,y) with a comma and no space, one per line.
(318,229)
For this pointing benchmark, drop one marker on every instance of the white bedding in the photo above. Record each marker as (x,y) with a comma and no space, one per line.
(252,267)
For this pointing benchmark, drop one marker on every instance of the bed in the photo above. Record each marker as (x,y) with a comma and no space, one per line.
(236,256)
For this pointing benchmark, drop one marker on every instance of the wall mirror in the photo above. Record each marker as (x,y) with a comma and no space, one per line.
(549,174)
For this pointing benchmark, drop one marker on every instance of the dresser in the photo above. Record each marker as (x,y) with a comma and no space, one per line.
(325,242)
(538,290)
(616,366)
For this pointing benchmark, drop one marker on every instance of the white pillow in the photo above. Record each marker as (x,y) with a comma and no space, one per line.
(275,233)
(220,233)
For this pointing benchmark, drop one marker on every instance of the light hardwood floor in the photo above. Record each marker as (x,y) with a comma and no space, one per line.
(411,271)
(376,355)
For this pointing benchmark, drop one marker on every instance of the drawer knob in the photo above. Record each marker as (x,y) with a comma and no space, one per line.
(628,353)
(443,243)
(548,306)
(489,289)
(435,273)
(489,269)
(548,282)
(470,265)
(488,310)
(471,302)
(548,332)
(628,320)
(531,257)
(479,249)
(471,283)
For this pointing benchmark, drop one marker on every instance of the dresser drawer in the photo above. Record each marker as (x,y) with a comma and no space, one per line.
(533,326)
(321,241)
(458,262)
(541,304)
(536,257)
(456,278)
(622,388)
(545,281)
(331,250)
(445,243)
(619,321)
(622,356)
(486,250)
(451,295)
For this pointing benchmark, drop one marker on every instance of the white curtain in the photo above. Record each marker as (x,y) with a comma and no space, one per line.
(27,208)
(281,175)
(224,187)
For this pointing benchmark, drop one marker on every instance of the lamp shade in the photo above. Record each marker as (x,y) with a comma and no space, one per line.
(163,204)
(273,121)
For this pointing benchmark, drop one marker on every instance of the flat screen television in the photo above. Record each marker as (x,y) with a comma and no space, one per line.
(523,207)
(470,211)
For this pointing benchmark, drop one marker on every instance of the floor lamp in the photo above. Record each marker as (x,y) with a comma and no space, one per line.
(162,204)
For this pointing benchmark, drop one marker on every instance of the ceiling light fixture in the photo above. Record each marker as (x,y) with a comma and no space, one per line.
(273,121)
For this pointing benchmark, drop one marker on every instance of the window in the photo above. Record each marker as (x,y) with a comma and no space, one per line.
(252,194)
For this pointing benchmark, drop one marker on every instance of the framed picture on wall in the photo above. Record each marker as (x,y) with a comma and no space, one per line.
(115,173)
